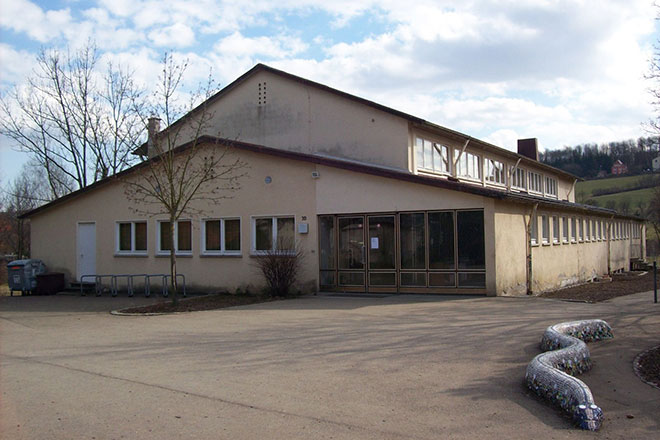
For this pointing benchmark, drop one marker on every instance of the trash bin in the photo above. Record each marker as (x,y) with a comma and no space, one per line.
(22,274)
(49,283)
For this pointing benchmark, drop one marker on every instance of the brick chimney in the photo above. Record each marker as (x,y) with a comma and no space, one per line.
(529,148)
(153,127)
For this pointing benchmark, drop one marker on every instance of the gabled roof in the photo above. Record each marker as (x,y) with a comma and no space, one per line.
(416,121)
(354,166)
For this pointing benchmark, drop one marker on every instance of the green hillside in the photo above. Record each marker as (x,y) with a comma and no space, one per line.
(585,190)
(634,197)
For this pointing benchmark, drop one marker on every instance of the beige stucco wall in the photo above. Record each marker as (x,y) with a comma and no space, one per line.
(294,191)
(290,193)
(510,248)
(298,117)
(306,119)
(554,265)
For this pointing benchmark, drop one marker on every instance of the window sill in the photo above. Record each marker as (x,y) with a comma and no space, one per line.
(545,244)
(131,255)
(470,179)
(426,172)
(496,185)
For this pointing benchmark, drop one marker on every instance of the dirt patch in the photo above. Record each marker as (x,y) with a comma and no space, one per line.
(621,284)
(208,302)
(647,366)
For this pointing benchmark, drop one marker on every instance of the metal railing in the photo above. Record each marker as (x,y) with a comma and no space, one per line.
(98,283)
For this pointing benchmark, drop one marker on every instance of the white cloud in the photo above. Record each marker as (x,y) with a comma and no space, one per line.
(238,46)
(560,70)
(17,65)
(176,35)
(25,16)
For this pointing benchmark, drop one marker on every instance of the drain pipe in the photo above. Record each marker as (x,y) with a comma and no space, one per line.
(529,249)
(609,246)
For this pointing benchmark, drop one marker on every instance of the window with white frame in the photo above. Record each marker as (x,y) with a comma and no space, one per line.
(221,236)
(519,179)
(182,237)
(545,229)
(550,187)
(587,233)
(593,230)
(535,182)
(564,224)
(580,223)
(468,165)
(573,229)
(131,238)
(431,156)
(534,230)
(555,229)
(273,234)
(600,230)
(607,229)
(494,171)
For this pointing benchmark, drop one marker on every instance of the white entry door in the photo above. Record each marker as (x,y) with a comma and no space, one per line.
(86,249)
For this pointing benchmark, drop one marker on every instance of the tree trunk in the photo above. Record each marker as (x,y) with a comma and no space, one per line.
(173,283)
(19,227)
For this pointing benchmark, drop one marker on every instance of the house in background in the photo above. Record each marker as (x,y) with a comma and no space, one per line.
(655,164)
(619,168)
(379,201)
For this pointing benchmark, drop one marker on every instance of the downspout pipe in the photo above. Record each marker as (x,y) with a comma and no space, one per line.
(609,246)
(529,249)
(568,195)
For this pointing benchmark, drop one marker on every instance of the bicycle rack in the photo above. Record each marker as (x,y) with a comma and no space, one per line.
(98,283)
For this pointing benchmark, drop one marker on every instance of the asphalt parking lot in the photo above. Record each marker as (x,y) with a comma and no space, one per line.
(405,367)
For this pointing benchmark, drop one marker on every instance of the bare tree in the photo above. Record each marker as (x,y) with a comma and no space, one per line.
(653,76)
(26,192)
(78,122)
(186,170)
(653,212)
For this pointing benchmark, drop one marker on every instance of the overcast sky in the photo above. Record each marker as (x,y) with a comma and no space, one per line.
(566,72)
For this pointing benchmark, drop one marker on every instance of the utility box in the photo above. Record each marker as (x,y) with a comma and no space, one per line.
(22,275)
(49,283)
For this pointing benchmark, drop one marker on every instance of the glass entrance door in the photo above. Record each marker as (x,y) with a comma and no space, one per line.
(382,253)
(351,255)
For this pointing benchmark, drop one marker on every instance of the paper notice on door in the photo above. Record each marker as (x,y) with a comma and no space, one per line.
(374,242)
